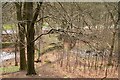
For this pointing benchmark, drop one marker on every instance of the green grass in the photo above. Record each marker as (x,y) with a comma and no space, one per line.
(8,27)
(9,69)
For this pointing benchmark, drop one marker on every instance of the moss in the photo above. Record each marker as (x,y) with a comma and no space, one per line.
(6,44)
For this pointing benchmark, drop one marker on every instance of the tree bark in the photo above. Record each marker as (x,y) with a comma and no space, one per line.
(119,33)
(31,19)
(30,37)
(16,49)
(112,49)
(21,37)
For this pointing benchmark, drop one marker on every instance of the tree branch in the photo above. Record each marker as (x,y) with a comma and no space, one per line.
(4,4)
(36,13)
(42,18)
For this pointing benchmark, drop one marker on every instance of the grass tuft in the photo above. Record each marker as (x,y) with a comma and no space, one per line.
(9,69)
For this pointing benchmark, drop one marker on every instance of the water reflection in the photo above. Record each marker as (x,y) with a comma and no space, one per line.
(6,55)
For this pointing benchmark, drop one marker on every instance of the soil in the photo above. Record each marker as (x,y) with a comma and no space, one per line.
(44,69)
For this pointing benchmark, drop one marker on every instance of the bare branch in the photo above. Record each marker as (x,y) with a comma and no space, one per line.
(4,4)
(42,18)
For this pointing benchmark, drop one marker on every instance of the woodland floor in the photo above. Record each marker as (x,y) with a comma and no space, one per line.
(43,69)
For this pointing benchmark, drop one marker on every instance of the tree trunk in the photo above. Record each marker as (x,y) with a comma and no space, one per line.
(30,37)
(21,37)
(111,50)
(16,49)
(119,34)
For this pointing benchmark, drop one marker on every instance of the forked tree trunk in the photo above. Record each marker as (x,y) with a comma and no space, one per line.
(30,35)
(21,37)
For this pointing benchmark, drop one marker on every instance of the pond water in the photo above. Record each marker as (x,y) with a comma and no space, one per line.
(6,55)
(84,53)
